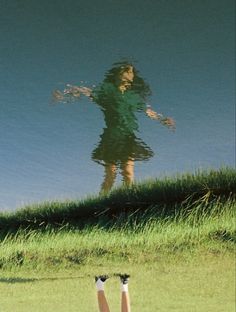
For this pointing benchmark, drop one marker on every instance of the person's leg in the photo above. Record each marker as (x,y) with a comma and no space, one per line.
(128,171)
(102,302)
(125,301)
(109,178)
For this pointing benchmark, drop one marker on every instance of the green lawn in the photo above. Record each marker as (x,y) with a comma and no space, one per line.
(203,282)
(175,237)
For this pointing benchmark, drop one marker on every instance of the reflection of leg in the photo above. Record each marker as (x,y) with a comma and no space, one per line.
(125,302)
(128,171)
(102,302)
(110,175)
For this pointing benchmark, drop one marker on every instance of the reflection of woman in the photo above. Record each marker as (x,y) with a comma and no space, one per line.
(122,93)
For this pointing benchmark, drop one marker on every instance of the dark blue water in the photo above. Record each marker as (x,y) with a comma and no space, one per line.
(183,49)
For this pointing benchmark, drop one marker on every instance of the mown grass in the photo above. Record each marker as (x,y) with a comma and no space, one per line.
(205,284)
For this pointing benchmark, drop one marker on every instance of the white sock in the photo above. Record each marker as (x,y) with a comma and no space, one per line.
(100,285)
(124,287)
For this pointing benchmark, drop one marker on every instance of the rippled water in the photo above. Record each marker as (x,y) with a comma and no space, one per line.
(183,51)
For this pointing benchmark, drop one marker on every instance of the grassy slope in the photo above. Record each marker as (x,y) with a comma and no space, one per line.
(53,234)
(148,199)
(175,237)
(136,242)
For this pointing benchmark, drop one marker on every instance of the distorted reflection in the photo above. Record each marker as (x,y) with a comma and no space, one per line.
(120,96)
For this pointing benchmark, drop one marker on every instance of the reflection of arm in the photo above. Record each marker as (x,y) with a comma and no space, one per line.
(77,91)
(95,94)
(167,121)
(152,114)
(72,91)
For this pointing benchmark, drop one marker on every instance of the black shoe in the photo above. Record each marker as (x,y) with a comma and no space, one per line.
(124,278)
(103,278)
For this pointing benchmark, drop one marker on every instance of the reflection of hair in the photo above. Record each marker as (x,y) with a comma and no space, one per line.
(138,85)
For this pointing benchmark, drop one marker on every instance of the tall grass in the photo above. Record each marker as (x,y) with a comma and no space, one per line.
(151,198)
(136,241)
(134,224)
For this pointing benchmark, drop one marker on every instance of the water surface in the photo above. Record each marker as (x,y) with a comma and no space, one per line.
(185,52)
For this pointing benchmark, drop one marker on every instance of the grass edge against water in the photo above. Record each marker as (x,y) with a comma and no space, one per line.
(151,197)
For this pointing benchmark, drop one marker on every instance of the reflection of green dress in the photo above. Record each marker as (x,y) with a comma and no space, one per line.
(118,141)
